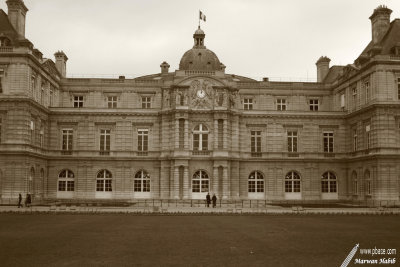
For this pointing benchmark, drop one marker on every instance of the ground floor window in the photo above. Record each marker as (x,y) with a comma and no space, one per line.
(355,183)
(142,182)
(368,183)
(200,182)
(292,182)
(329,183)
(66,181)
(104,181)
(256,182)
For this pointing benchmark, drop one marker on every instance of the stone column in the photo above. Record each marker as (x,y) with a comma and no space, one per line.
(176,133)
(215,177)
(225,183)
(185,182)
(186,144)
(176,182)
(225,135)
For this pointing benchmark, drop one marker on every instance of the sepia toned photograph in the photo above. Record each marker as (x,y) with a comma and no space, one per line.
(199,133)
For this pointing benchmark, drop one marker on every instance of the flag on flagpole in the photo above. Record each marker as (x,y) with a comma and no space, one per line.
(202,16)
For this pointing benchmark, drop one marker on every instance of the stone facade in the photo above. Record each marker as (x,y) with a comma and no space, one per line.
(181,134)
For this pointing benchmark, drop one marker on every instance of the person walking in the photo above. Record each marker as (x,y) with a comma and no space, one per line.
(214,200)
(208,200)
(19,201)
(28,200)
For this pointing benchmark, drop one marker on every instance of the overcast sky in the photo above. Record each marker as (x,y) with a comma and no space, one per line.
(280,39)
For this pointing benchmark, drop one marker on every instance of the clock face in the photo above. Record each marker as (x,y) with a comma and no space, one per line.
(201,93)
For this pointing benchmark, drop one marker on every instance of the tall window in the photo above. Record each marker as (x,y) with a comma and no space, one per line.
(142,182)
(255,142)
(146,102)
(41,136)
(1,124)
(220,134)
(200,138)
(292,141)
(143,139)
(33,86)
(314,103)
(78,101)
(328,142)
(104,181)
(256,182)
(367,91)
(368,136)
(281,104)
(32,132)
(51,96)
(42,94)
(354,95)
(329,183)
(66,181)
(292,182)
(67,138)
(368,183)
(181,133)
(1,80)
(355,183)
(112,102)
(355,140)
(342,101)
(247,103)
(200,182)
(398,88)
(105,141)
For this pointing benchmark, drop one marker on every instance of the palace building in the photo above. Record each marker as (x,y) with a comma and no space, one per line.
(180,134)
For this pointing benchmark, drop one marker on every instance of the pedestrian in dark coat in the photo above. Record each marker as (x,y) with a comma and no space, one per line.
(208,199)
(214,200)
(19,201)
(28,200)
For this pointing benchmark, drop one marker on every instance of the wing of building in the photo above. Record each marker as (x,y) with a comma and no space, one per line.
(180,134)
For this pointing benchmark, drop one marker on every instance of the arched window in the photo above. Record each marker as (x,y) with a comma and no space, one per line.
(368,183)
(256,182)
(4,41)
(354,182)
(200,137)
(104,181)
(200,182)
(142,182)
(328,183)
(292,182)
(66,181)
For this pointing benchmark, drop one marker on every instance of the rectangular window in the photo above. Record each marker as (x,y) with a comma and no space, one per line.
(42,94)
(51,98)
(67,139)
(78,101)
(398,88)
(105,141)
(369,188)
(143,140)
(1,80)
(328,142)
(354,97)
(220,134)
(355,140)
(1,124)
(33,86)
(32,128)
(292,141)
(181,133)
(146,102)
(314,103)
(368,136)
(367,91)
(342,101)
(281,104)
(112,102)
(248,104)
(41,137)
(255,142)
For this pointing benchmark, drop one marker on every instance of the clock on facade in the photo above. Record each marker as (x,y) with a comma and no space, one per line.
(201,93)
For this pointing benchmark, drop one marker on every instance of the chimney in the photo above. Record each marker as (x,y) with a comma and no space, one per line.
(322,68)
(16,15)
(164,68)
(61,62)
(380,22)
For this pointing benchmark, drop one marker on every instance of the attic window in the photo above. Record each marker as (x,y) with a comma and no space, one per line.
(4,41)
(208,62)
(199,54)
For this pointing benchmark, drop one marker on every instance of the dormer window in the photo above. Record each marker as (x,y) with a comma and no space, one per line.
(4,41)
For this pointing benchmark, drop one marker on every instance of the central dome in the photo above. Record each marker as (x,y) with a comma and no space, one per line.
(199,57)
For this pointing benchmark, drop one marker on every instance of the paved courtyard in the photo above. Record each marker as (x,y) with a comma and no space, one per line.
(189,240)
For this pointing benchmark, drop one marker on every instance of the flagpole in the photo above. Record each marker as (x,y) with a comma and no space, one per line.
(199,18)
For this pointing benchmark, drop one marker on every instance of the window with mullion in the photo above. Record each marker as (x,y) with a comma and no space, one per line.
(104,181)
(143,139)
(281,104)
(292,141)
(292,183)
(328,183)
(142,182)
(146,102)
(105,140)
(314,103)
(78,101)
(247,103)
(328,142)
(112,102)
(67,138)
(255,141)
